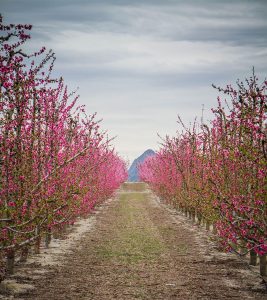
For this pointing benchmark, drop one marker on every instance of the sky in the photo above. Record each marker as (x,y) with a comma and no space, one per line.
(140,63)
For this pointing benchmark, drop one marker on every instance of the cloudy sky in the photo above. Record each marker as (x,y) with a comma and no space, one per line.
(139,63)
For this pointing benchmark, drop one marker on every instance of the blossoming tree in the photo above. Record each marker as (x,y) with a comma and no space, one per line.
(219,171)
(55,162)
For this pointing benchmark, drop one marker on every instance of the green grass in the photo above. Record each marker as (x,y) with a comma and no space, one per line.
(135,238)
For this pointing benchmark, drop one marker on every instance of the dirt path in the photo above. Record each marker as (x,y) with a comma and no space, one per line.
(139,249)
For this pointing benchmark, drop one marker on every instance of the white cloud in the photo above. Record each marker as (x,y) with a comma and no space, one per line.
(140,63)
(117,52)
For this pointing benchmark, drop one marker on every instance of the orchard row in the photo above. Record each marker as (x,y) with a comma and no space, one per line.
(56,163)
(217,172)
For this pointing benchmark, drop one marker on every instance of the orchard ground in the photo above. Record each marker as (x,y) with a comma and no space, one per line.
(135,247)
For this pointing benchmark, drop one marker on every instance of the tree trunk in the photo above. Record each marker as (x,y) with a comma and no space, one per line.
(37,242)
(193,216)
(253,258)
(48,236)
(24,254)
(199,218)
(10,262)
(263,268)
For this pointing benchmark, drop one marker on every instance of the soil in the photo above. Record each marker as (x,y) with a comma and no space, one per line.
(138,248)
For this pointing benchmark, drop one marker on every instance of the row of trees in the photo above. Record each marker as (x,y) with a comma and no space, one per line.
(55,162)
(218,172)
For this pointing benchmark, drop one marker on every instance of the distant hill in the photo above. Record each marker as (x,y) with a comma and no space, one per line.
(133,171)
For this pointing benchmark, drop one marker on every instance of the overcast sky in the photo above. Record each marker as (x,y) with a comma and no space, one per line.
(140,63)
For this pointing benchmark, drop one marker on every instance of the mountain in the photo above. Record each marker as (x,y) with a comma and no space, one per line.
(133,171)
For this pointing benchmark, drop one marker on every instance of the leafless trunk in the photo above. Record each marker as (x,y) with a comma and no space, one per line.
(263,265)
(253,257)
(10,260)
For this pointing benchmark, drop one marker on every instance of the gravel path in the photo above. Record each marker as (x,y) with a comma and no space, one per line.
(140,249)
